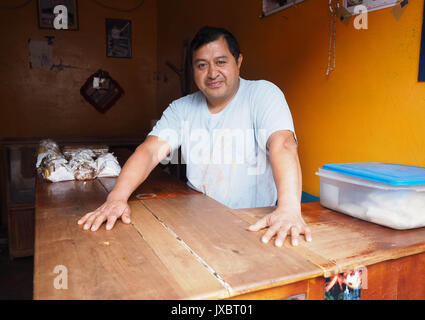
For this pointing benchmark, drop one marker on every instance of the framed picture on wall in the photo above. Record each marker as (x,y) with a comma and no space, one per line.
(371,5)
(118,38)
(46,15)
(272,6)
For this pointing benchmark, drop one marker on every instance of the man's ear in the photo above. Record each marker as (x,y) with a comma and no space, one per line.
(239,61)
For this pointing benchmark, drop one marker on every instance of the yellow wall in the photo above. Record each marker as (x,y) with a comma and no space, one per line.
(371,108)
(38,102)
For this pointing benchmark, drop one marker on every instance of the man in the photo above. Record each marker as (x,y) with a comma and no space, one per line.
(263,165)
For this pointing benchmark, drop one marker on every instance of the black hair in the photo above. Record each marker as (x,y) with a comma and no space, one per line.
(209,34)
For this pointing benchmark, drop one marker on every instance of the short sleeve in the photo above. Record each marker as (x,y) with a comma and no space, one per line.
(168,126)
(271,112)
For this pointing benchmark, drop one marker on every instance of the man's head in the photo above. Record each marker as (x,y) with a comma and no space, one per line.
(216,61)
(209,34)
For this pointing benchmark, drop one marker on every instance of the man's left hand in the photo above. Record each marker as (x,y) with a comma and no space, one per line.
(283,222)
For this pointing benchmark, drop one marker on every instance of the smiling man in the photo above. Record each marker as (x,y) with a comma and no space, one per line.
(237,138)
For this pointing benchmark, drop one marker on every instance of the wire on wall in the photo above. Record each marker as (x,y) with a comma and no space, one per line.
(17,6)
(333,6)
(118,9)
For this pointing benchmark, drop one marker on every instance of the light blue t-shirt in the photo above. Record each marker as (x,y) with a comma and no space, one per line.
(225,153)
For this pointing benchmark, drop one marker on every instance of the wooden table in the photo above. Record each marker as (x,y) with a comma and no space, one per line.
(183,245)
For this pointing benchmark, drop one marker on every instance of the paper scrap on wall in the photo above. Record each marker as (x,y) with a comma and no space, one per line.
(41,54)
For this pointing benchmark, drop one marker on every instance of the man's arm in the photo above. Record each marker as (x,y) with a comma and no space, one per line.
(286,218)
(137,168)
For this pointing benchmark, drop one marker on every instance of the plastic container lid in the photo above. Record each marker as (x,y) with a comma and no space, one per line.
(393,174)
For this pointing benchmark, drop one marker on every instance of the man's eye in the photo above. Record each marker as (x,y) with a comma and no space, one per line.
(202,65)
(221,62)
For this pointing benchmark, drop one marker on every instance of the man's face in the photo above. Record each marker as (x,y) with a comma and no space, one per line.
(216,72)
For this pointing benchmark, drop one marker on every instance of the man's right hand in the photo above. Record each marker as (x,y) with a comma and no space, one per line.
(110,211)
(135,171)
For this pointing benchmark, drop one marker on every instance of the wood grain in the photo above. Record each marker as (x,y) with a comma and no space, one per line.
(158,183)
(88,194)
(116,264)
(276,293)
(411,278)
(185,245)
(195,281)
(343,243)
(21,231)
(381,281)
(234,253)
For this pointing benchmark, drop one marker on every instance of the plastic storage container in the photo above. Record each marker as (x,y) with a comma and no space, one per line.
(391,195)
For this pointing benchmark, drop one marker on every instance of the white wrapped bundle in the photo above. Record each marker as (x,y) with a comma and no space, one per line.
(47,149)
(82,155)
(83,165)
(70,151)
(107,166)
(48,144)
(57,170)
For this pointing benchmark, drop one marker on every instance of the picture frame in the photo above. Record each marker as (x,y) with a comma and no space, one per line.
(371,5)
(273,6)
(46,16)
(103,94)
(118,38)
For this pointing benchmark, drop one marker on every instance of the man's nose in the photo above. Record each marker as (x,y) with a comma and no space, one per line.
(212,72)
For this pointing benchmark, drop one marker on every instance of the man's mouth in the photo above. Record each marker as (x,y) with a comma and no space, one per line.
(214,84)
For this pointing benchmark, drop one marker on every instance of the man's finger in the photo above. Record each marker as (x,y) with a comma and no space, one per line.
(260,224)
(270,233)
(126,216)
(111,222)
(281,236)
(294,235)
(85,217)
(97,223)
(89,222)
(307,234)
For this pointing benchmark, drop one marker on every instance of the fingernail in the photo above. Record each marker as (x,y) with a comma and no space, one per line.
(93,228)
(86,227)
(295,242)
(108,227)
(279,243)
(264,240)
(309,239)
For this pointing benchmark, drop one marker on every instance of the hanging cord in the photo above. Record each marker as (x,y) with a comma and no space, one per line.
(333,5)
(118,9)
(16,7)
